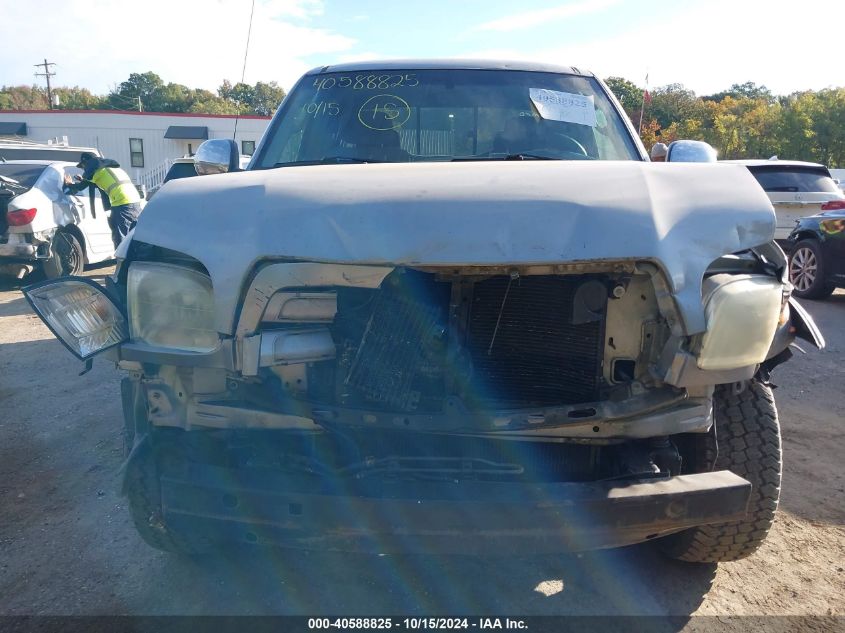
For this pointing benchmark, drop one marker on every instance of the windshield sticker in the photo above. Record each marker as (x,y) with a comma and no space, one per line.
(384,112)
(564,106)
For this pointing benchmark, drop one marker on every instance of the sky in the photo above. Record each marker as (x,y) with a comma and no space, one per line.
(706,45)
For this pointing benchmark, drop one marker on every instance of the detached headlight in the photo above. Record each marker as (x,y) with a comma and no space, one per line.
(171,306)
(742,314)
(79,313)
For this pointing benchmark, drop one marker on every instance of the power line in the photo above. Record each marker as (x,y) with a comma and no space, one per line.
(47,74)
(243,71)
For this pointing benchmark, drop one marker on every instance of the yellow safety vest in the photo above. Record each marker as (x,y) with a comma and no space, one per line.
(117,185)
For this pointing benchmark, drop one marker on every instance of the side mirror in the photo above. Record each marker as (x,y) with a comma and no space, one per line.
(686,151)
(217,156)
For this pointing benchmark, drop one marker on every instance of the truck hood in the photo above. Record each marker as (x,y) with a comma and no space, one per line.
(681,216)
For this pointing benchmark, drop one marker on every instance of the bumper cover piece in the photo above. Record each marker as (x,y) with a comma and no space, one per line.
(18,251)
(466,517)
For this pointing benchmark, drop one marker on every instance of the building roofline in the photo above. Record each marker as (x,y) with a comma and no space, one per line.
(136,113)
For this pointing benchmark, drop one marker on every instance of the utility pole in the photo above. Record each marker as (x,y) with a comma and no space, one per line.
(47,74)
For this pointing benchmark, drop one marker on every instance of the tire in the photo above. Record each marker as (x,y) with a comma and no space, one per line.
(67,257)
(144,496)
(747,442)
(807,271)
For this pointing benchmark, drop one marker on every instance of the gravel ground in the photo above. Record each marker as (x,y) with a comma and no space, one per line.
(67,545)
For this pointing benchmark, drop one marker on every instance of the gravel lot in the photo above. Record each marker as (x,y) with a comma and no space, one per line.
(67,546)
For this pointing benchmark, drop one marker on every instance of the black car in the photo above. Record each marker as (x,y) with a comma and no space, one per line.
(817,255)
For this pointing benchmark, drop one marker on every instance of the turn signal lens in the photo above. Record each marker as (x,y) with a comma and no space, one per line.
(79,313)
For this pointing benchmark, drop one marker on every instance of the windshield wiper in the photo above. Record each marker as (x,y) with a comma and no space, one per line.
(328,160)
(529,156)
(520,156)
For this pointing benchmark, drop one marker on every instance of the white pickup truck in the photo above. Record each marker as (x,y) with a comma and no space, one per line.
(448,306)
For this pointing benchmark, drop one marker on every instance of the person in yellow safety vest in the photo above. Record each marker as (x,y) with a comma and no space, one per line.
(117,189)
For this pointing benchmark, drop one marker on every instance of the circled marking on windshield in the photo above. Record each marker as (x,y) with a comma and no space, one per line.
(384,112)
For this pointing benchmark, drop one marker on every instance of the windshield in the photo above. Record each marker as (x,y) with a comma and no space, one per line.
(794,179)
(441,115)
(24,175)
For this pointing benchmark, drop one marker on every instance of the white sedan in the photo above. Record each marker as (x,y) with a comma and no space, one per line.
(42,227)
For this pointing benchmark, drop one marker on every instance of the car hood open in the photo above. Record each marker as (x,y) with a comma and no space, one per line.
(680,216)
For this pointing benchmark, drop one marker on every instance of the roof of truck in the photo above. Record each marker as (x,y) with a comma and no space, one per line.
(452,64)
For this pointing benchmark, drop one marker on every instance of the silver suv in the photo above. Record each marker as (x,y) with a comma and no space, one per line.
(448,306)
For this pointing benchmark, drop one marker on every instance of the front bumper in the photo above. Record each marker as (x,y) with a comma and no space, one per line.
(20,251)
(468,517)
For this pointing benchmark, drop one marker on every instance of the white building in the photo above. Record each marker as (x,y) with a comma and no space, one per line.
(144,143)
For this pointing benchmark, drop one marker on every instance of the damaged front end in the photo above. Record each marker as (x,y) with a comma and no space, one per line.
(418,407)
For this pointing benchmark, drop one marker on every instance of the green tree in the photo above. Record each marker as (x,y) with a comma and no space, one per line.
(266,98)
(262,98)
(146,86)
(828,125)
(794,127)
(23,98)
(748,89)
(629,95)
(673,103)
(77,98)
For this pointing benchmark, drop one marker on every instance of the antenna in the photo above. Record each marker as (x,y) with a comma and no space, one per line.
(47,74)
(243,71)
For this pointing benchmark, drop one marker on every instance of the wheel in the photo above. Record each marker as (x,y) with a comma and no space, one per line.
(806,271)
(144,496)
(67,256)
(745,440)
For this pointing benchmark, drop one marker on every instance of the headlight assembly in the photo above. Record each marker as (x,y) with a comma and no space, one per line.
(742,315)
(171,306)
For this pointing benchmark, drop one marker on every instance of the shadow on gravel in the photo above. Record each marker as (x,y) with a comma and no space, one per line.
(245,580)
(16,307)
(97,272)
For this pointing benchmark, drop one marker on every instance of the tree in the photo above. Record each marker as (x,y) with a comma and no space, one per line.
(23,98)
(77,98)
(628,94)
(828,125)
(212,104)
(146,86)
(794,127)
(673,103)
(266,98)
(749,89)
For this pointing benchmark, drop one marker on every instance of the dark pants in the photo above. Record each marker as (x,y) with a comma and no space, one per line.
(123,219)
